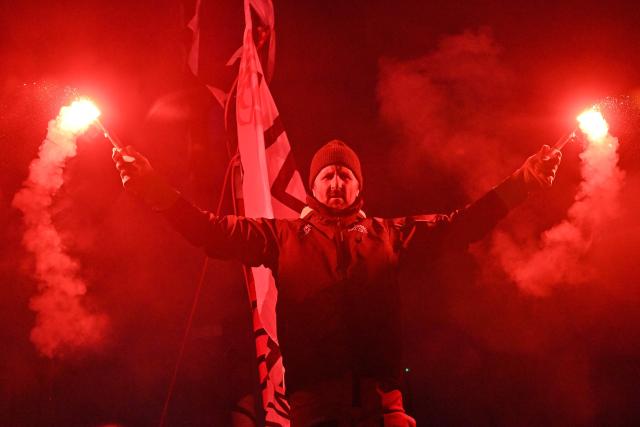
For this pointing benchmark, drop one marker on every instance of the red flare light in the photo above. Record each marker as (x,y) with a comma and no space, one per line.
(78,116)
(593,125)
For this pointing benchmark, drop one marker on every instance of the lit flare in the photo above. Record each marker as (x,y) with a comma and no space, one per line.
(593,125)
(77,117)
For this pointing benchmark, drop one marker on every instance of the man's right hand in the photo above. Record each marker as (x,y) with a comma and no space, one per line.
(139,178)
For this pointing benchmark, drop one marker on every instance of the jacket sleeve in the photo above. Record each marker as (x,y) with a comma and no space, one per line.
(465,225)
(251,241)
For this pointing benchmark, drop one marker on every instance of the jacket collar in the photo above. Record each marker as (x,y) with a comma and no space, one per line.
(306,211)
(326,219)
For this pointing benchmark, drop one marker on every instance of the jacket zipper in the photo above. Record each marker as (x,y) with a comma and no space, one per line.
(342,268)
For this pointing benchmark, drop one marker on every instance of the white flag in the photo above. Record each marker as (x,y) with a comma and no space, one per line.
(272,188)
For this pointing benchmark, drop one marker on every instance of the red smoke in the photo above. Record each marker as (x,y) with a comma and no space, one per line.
(455,110)
(452,107)
(63,323)
(560,256)
(458,112)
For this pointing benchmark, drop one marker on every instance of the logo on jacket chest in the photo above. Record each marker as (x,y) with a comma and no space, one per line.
(358,228)
(305,230)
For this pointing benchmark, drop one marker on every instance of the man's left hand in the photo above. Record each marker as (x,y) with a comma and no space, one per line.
(539,170)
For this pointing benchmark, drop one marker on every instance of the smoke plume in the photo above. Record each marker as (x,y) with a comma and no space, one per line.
(451,107)
(63,323)
(561,256)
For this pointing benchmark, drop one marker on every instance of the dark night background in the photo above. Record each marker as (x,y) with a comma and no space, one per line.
(441,100)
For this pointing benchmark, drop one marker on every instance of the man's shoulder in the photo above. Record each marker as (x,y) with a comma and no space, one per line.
(289,223)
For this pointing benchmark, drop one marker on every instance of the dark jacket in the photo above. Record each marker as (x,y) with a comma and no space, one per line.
(338,305)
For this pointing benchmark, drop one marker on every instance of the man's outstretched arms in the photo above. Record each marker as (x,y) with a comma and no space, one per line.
(250,241)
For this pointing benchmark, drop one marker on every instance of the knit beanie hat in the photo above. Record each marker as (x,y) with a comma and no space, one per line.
(335,152)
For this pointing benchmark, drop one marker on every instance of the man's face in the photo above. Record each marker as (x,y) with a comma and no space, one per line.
(336,186)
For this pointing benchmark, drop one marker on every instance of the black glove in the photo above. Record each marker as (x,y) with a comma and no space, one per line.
(139,178)
(539,170)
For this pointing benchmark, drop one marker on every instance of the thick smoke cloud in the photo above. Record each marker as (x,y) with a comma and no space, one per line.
(454,108)
(63,323)
(562,254)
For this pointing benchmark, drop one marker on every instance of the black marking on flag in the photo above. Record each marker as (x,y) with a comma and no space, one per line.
(279,187)
(259,332)
(275,130)
(279,411)
(281,399)
(274,353)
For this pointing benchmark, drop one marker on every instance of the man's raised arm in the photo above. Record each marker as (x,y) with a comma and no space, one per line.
(474,221)
(251,241)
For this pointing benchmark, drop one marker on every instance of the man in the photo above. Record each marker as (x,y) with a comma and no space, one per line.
(335,268)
